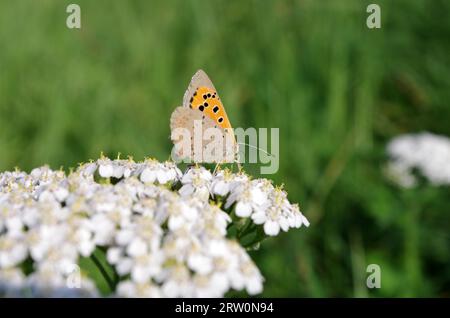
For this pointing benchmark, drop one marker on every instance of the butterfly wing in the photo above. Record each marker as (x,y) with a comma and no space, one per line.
(199,79)
(183,121)
(202,95)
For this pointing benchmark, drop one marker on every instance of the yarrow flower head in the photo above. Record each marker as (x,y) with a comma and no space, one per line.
(428,153)
(161,232)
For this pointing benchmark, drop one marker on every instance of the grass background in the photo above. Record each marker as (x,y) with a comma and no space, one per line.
(337,90)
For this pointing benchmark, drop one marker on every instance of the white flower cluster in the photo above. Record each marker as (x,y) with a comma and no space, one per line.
(259,200)
(164,233)
(426,152)
(35,225)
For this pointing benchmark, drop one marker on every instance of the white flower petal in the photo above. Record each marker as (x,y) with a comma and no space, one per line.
(259,217)
(243,210)
(148,176)
(106,171)
(137,247)
(113,255)
(124,266)
(271,228)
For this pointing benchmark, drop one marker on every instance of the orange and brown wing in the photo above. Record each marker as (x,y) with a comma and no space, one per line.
(202,95)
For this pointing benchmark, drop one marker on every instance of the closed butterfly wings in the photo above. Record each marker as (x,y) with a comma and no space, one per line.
(202,109)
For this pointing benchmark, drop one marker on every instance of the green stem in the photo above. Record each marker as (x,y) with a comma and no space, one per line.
(259,236)
(246,229)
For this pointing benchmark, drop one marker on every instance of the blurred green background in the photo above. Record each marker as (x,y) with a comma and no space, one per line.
(337,90)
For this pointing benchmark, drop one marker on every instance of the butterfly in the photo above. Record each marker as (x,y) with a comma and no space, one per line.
(202,112)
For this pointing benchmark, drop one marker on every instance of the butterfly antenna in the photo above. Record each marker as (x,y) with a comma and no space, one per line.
(254,147)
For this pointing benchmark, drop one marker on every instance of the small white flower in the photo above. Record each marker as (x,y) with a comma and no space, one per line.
(103,229)
(224,181)
(243,209)
(85,241)
(137,247)
(176,281)
(124,236)
(249,197)
(155,171)
(196,182)
(131,289)
(114,255)
(181,214)
(118,170)
(199,263)
(61,194)
(271,228)
(146,267)
(148,175)
(12,252)
(124,266)
(87,169)
(105,167)
(278,212)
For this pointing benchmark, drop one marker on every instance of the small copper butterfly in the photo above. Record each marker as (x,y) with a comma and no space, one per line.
(202,104)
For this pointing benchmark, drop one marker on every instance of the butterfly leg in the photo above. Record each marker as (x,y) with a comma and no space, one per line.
(237,162)
(215,168)
(190,166)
